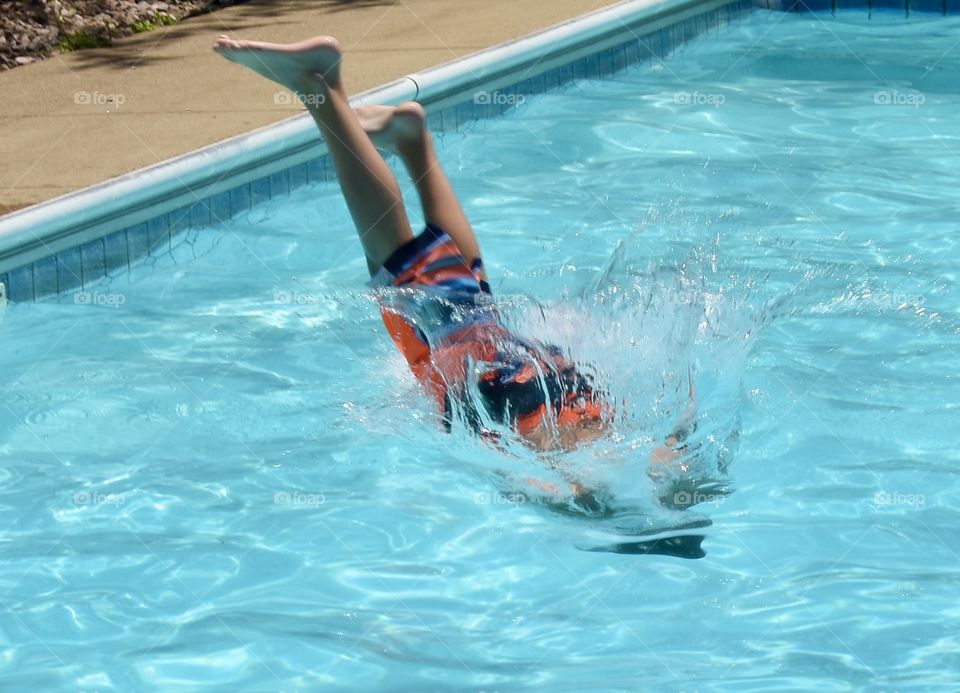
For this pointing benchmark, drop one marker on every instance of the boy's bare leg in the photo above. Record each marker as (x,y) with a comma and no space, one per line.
(402,130)
(312,69)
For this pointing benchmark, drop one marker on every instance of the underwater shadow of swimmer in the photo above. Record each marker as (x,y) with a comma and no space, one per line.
(684,546)
(597,510)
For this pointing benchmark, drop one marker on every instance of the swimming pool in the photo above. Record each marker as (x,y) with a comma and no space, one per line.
(218,473)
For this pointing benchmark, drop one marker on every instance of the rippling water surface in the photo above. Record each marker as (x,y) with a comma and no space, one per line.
(216,470)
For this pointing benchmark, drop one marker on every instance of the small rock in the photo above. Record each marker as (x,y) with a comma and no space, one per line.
(23,60)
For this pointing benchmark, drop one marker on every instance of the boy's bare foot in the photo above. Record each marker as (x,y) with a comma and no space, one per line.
(394,127)
(286,63)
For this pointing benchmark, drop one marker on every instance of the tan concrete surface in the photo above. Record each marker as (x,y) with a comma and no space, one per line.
(79,118)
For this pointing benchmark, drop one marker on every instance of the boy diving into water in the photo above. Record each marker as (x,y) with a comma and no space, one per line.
(445,324)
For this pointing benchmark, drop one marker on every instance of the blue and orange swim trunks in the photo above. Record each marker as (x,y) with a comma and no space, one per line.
(443,320)
(445,313)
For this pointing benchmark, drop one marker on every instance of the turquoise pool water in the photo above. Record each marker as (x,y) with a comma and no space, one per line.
(216,471)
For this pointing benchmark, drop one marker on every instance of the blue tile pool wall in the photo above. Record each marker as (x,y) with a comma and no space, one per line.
(80,267)
(906,7)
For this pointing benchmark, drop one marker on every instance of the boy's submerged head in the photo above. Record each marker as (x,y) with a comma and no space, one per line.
(539,392)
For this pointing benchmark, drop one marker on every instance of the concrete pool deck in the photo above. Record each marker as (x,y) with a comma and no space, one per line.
(80,118)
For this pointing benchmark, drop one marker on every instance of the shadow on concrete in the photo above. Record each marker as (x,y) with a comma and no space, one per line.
(267,8)
(249,16)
